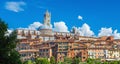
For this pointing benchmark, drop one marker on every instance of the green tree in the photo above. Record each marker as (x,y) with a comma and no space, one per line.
(90,61)
(114,62)
(105,63)
(52,60)
(42,61)
(67,60)
(60,62)
(97,61)
(8,54)
(118,61)
(28,62)
(76,60)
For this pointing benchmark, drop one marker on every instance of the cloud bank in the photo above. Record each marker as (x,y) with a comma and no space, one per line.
(84,30)
(32,26)
(109,32)
(58,26)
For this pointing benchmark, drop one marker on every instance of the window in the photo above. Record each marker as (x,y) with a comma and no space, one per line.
(64,49)
(40,54)
(40,50)
(47,54)
(83,57)
(43,50)
(60,49)
(46,38)
(46,50)
(60,46)
(29,54)
(65,46)
(65,43)
(75,44)
(60,43)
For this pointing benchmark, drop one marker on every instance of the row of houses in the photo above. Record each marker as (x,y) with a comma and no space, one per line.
(64,45)
(45,43)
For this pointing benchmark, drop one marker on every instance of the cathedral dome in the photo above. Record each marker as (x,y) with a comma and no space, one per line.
(44,27)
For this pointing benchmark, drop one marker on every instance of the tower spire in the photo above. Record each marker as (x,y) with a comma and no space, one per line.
(47,18)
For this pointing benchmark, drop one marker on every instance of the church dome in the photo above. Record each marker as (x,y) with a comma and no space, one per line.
(44,27)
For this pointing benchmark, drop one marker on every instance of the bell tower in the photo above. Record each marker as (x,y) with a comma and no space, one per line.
(47,19)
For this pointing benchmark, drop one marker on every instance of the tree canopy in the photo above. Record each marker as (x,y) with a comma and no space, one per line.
(52,60)
(8,54)
(41,61)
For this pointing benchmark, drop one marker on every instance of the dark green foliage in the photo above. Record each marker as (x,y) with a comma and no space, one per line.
(67,60)
(97,61)
(105,62)
(90,61)
(114,62)
(8,54)
(52,60)
(76,60)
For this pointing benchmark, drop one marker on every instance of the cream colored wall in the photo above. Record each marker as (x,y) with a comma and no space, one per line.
(113,54)
(95,53)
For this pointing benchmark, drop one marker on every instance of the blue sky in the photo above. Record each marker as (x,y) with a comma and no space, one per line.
(97,14)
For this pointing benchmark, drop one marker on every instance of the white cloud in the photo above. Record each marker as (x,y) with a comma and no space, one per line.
(84,30)
(109,32)
(60,27)
(15,6)
(33,26)
(105,32)
(116,35)
(80,17)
